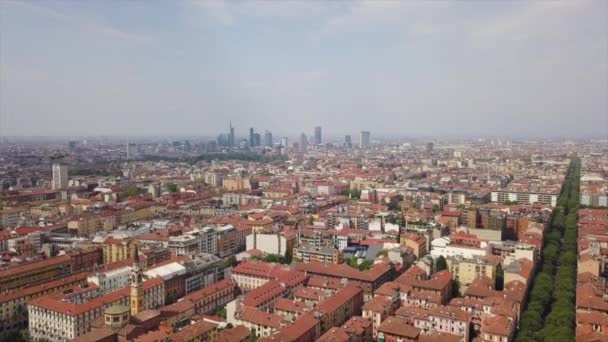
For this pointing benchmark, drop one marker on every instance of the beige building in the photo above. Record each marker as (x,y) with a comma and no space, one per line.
(58,319)
(589,264)
(465,270)
(116,250)
(236,184)
(309,252)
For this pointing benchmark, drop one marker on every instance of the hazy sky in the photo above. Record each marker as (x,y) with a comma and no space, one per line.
(398,67)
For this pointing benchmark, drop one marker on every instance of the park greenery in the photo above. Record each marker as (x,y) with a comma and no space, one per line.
(171,187)
(363,266)
(550,313)
(132,190)
(276,258)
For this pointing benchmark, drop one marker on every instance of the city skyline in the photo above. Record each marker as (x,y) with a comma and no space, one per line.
(514,69)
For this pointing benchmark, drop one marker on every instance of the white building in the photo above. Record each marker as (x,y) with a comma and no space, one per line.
(443,247)
(166,272)
(112,280)
(523,197)
(57,319)
(184,244)
(60,177)
(267,243)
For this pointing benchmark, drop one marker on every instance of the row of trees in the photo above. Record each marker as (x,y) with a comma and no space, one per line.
(276,258)
(549,315)
(560,322)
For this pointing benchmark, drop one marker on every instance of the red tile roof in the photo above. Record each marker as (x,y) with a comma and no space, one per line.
(258,317)
(397,326)
(343,271)
(32,266)
(265,293)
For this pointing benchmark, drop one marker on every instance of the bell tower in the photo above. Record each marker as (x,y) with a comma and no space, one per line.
(137,286)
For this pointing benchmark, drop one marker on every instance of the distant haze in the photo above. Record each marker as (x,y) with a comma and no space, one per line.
(391,67)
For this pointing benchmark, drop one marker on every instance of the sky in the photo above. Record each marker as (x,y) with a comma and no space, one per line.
(135,68)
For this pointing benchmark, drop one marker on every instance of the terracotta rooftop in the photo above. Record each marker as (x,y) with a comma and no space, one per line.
(258,317)
(32,266)
(237,334)
(288,305)
(55,303)
(193,331)
(264,293)
(399,327)
(344,271)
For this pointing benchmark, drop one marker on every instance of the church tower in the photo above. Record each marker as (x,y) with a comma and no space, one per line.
(137,286)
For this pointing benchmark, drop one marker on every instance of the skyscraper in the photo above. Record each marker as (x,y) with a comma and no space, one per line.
(231,136)
(364,138)
(251,137)
(429,147)
(347,141)
(60,176)
(318,136)
(284,143)
(131,150)
(268,138)
(303,142)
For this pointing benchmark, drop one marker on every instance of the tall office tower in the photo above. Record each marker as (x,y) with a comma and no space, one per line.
(284,145)
(364,138)
(60,176)
(347,141)
(318,136)
(257,139)
(303,142)
(231,136)
(267,138)
(251,132)
(131,150)
(429,147)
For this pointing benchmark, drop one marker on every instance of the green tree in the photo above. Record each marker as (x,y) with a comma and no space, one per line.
(500,278)
(132,190)
(455,288)
(441,264)
(221,313)
(355,194)
(171,187)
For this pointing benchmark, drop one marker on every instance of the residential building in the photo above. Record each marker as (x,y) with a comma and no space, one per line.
(309,252)
(60,177)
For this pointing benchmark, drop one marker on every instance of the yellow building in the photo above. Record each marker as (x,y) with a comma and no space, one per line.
(85,225)
(116,250)
(45,210)
(465,270)
(236,184)
(136,212)
(360,184)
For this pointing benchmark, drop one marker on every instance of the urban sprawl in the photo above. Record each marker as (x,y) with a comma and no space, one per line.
(262,239)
